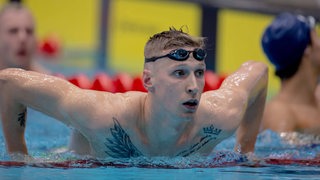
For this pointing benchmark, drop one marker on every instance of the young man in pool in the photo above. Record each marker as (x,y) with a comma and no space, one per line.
(174,118)
(291,43)
(17,38)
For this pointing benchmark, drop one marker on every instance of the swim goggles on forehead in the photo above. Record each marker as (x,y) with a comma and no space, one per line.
(181,55)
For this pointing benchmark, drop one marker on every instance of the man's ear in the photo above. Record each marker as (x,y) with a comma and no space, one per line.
(313,37)
(147,80)
(307,50)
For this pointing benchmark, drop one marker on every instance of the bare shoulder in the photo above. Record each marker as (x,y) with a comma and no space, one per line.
(227,106)
(278,116)
(128,102)
(221,107)
(133,103)
(102,107)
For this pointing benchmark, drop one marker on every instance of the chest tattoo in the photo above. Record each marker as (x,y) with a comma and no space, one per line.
(120,145)
(210,133)
(22,117)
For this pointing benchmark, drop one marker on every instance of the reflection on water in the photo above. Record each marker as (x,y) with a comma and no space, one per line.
(296,138)
(47,140)
(277,156)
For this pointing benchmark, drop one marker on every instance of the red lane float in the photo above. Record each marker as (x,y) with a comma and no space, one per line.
(50,46)
(213,163)
(137,84)
(80,80)
(103,82)
(222,77)
(212,81)
(123,82)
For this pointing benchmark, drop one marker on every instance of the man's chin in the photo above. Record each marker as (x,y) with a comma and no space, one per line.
(189,113)
(190,109)
(21,64)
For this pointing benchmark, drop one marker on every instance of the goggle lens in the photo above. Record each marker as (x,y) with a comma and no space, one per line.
(182,55)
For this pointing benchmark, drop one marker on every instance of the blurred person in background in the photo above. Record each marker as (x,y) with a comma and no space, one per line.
(292,45)
(18,43)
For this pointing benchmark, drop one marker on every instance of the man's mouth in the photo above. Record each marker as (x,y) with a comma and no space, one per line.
(22,53)
(191,104)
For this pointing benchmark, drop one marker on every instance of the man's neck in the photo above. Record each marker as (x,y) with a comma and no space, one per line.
(163,130)
(301,87)
(4,66)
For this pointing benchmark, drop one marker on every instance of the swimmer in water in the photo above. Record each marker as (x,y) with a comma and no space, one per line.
(174,118)
(291,43)
(17,38)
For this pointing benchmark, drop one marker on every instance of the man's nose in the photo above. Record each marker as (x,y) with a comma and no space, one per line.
(192,86)
(23,35)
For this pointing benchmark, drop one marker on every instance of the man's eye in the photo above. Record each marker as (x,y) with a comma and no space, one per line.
(199,73)
(13,31)
(29,31)
(179,73)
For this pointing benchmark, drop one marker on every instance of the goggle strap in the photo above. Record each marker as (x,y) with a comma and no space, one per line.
(152,59)
(174,55)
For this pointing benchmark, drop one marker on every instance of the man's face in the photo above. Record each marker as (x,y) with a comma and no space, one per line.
(178,84)
(17,40)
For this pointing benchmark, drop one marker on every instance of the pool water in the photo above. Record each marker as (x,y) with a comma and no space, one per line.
(47,140)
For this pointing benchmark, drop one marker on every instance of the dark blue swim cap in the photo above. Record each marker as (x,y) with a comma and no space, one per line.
(285,40)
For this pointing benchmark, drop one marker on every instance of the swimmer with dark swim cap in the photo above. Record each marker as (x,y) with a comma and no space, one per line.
(285,40)
(292,45)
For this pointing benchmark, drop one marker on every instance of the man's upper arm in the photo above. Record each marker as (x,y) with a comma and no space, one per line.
(225,107)
(237,92)
(251,78)
(41,92)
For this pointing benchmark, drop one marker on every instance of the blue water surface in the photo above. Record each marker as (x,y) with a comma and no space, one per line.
(47,140)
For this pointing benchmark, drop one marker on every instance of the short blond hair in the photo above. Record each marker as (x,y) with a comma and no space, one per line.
(171,39)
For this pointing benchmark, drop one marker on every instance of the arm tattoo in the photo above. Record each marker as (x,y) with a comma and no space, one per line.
(212,130)
(120,146)
(22,117)
(211,133)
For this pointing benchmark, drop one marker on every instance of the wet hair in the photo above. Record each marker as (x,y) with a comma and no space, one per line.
(172,38)
(11,5)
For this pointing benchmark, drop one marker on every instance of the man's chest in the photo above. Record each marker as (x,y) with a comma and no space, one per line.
(121,141)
